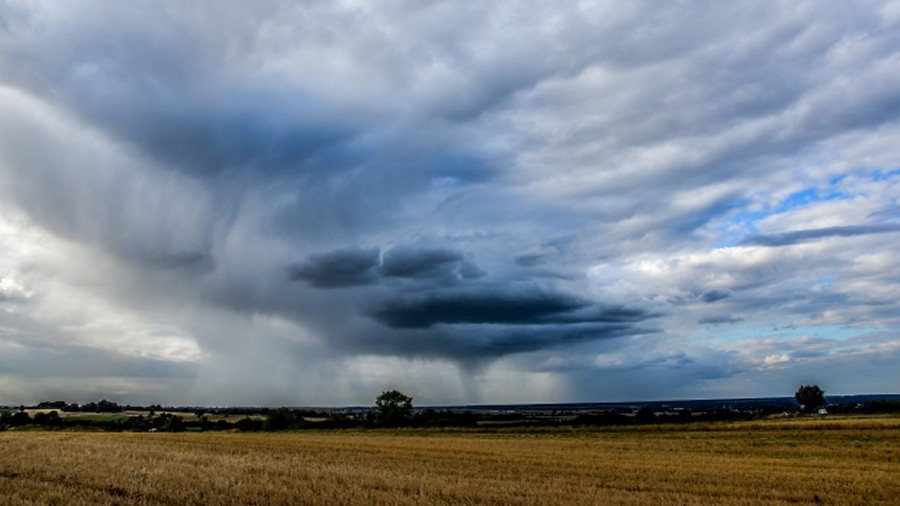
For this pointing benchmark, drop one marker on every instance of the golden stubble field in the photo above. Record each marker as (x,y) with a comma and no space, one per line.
(834,461)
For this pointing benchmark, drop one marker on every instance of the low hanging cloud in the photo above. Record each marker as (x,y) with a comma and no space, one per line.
(353,267)
(338,268)
(438,303)
(489,322)
(428,263)
(465,314)
(476,307)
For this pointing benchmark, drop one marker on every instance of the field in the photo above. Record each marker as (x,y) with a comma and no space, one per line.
(853,461)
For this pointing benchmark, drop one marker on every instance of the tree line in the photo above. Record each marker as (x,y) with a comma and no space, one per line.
(392,409)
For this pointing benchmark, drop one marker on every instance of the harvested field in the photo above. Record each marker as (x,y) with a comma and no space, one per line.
(846,462)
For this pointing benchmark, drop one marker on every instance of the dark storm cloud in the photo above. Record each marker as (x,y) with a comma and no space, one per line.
(479,337)
(436,302)
(474,307)
(497,308)
(801,236)
(416,263)
(360,267)
(339,268)
(551,336)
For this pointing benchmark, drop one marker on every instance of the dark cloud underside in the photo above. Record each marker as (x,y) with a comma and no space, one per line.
(491,307)
(338,268)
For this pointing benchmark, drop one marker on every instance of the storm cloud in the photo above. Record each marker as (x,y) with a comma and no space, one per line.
(339,268)
(440,263)
(359,267)
(499,201)
(487,308)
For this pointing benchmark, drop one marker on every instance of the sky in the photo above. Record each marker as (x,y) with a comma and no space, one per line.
(308,203)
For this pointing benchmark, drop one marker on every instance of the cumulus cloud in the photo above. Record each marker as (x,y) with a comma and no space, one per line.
(236,199)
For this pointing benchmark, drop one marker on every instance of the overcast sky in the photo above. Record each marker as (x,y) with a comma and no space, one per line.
(307,203)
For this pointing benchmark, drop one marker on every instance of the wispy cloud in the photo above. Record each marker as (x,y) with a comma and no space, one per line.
(801,236)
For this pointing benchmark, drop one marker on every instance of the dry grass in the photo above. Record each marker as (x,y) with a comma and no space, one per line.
(847,462)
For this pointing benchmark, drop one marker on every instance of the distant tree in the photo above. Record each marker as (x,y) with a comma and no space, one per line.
(51,405)
(138,423)
(645,415)
(248,424)
(70,408)
(282,419)
(18,419)
(810,397)
(106,406)
(882,406)
(50,419)
(174,423)
(392,409)
(157,422)
(431,418)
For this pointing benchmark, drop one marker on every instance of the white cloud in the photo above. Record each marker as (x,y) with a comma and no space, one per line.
(774,360)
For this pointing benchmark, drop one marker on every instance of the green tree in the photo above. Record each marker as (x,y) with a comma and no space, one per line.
(18,419)
(174,423)
(282,419)
(392,409)
(105,406)
(810,397)
(248,424)
(51,418)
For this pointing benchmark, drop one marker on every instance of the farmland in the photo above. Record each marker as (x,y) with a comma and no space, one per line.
(848,461)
